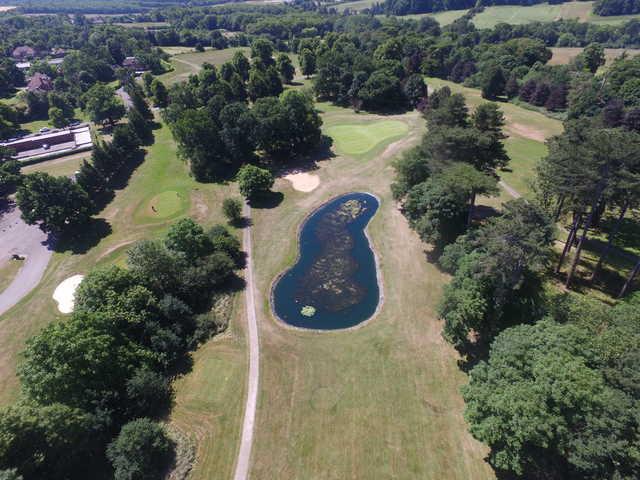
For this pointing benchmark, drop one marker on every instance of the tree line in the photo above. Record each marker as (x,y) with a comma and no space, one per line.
(93,386)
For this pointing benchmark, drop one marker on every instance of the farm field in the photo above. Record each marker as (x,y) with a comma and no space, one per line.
(353,6)
(185,64)
(205,398)
(341,390)
(564,55)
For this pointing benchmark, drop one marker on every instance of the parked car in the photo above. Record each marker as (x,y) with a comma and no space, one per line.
(44,129)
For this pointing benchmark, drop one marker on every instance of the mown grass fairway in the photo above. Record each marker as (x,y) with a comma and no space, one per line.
(381,401)
(443,18)
(185,64)
(358,139)
(208,400)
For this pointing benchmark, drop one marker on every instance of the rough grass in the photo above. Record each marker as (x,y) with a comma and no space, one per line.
(358,139)
(354,6)
(185,64)
(63,166)
(9,268)
(209,399)
(543,12)
(564,55)
(443,18)
(381,401)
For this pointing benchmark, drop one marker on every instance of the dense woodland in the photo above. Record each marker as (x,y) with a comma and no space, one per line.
(616,7)
(553,385)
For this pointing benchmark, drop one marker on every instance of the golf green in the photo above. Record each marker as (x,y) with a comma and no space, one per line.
(360,138)
(164,205)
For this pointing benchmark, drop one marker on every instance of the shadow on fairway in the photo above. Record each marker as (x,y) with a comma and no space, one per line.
(84,237)
(267,200)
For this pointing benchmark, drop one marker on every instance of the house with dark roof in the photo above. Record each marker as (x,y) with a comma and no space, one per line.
(40,82)
(132,63)
(23,52)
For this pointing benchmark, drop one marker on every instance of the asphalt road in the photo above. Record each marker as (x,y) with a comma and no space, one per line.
(16,237)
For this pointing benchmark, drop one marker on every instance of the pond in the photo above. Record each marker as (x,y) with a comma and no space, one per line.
(334,283)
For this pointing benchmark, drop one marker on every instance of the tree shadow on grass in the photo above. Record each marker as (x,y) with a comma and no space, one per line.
(83,238)
(267,200)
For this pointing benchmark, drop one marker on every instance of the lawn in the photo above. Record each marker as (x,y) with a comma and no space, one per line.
(209,399)
(354,6)
(381,401)
(185,64)
(358,139)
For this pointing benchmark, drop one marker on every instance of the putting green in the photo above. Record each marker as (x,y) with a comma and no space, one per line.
(360,138)
(164,205)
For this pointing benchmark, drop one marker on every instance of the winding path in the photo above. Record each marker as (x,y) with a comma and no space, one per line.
(246,440)
(16,237)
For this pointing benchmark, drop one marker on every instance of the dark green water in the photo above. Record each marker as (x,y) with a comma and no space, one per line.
(336,271)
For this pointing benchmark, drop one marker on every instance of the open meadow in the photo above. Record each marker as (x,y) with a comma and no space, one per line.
(564,55)
(543,12)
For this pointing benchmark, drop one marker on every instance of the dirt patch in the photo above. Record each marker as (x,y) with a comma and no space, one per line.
(526,131)
(303,181)
(65,293)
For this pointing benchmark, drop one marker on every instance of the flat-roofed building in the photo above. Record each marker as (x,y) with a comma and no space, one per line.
(54,143)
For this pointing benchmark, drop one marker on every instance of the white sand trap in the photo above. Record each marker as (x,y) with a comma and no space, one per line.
(303,182)
(65,293)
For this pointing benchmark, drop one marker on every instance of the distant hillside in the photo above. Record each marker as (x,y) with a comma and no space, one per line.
(98,6)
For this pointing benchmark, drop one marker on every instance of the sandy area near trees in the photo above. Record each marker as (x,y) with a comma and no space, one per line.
(303,181)
(65,293)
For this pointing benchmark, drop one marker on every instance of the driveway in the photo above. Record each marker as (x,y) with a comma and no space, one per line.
(16,237)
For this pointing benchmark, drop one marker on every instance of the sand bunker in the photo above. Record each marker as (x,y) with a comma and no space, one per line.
(65,293)
(303,182)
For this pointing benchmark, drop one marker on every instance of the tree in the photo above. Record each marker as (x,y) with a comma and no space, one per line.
(56,203)
(382,91)
(238,131)
(544,408)
(285,67)
(262,50)
(493,82)
(83,363)
(52,441)
(241,64)
(141,451)
(9,175)
(138,125)
(159,93)
(415,89)
(57,118)
(446,110)
(254,181)
(496,270)
(307,62)
(592,56)
(187,237)
(232,209)
(101,103)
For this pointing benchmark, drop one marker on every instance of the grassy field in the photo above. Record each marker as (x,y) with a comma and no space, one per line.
(354,6)
(64,166)
(185,64)
(381,401)
(443,18)
(564,55)
(208,400)
(543,12)
(359,139)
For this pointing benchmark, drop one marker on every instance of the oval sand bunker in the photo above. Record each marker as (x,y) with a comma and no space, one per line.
(303,181)
(65,293)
